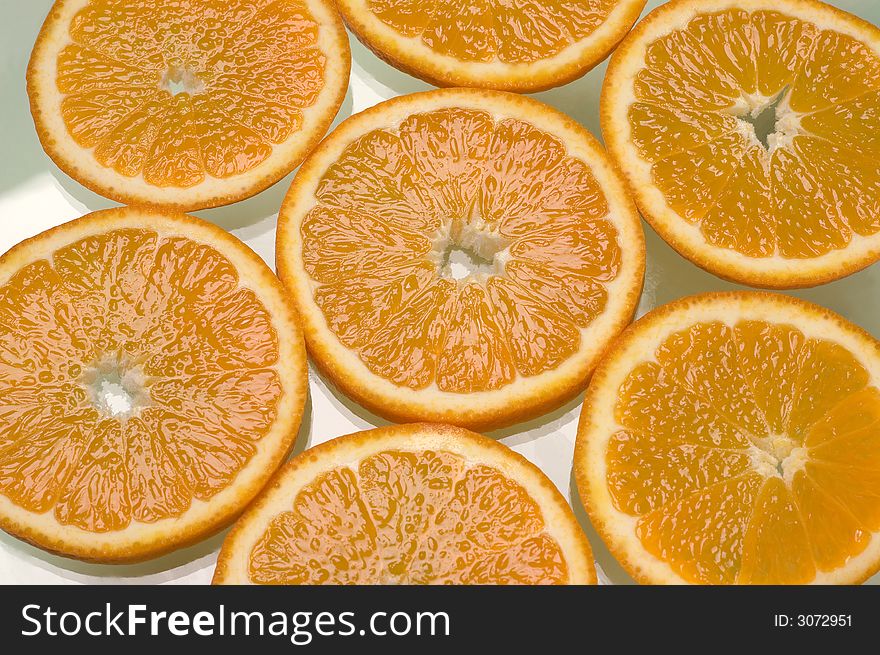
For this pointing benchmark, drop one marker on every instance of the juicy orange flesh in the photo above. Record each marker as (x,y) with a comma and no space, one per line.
(748,454)
(167,309)
(803,197)
(243,71)
(369,247)
(402,517)
(484,31)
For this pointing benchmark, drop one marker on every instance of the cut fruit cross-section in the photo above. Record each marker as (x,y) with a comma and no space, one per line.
(152,377)
(408,504)
(509,46)
(734,438)
(190,104)
(747,131)
(460,256)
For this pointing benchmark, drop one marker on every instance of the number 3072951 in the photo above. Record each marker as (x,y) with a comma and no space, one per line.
(813,620)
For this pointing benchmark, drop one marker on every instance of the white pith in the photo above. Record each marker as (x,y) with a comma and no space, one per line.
(787,121)
(469,251)
(777,456)
(179,78)
(116,386)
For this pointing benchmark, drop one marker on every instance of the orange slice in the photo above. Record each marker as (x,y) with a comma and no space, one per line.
(152,377)
(511,46)
(460,256)
(408,504)
(735,438)
(748,134)
(191,104)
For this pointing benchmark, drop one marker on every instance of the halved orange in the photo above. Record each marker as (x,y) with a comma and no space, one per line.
(460,256)
(509,46)
(408,504)
(152,378)
(735,438)
(190,104)
(748,134)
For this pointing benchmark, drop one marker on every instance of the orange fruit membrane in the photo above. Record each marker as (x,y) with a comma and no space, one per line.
(152,377)
(747,132)
(509,46)
(460,256)
(408,504)
(186,104)
(734,438)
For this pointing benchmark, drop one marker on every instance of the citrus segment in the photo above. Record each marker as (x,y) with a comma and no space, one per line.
(409,504)
(852,124)
(661,131)
(739,217)
(340,244)
(701,535)
(683,413)
(745,134)
(769,358)
(157,380)
(156,487)
(854,414)
(828,375)
(95,496)
(34,461)
(646,475)
(855,181)
(515,47)
(855,487)
(732,438)
(860,447)
(835,534)
(782,43)
(804,229)
(193,106)
(776,548)
(693,179)
(459,255)
(702,360)
(474,355)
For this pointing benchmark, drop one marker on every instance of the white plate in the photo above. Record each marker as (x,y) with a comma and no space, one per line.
(35,195)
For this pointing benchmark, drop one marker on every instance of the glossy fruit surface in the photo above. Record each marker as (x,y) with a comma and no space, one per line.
(186,104)
(747,133)
(525,46)
(408,504)
(460,255)
(733,438)
(153,377)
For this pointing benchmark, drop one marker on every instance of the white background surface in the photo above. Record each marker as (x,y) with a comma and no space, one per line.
(35,195)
